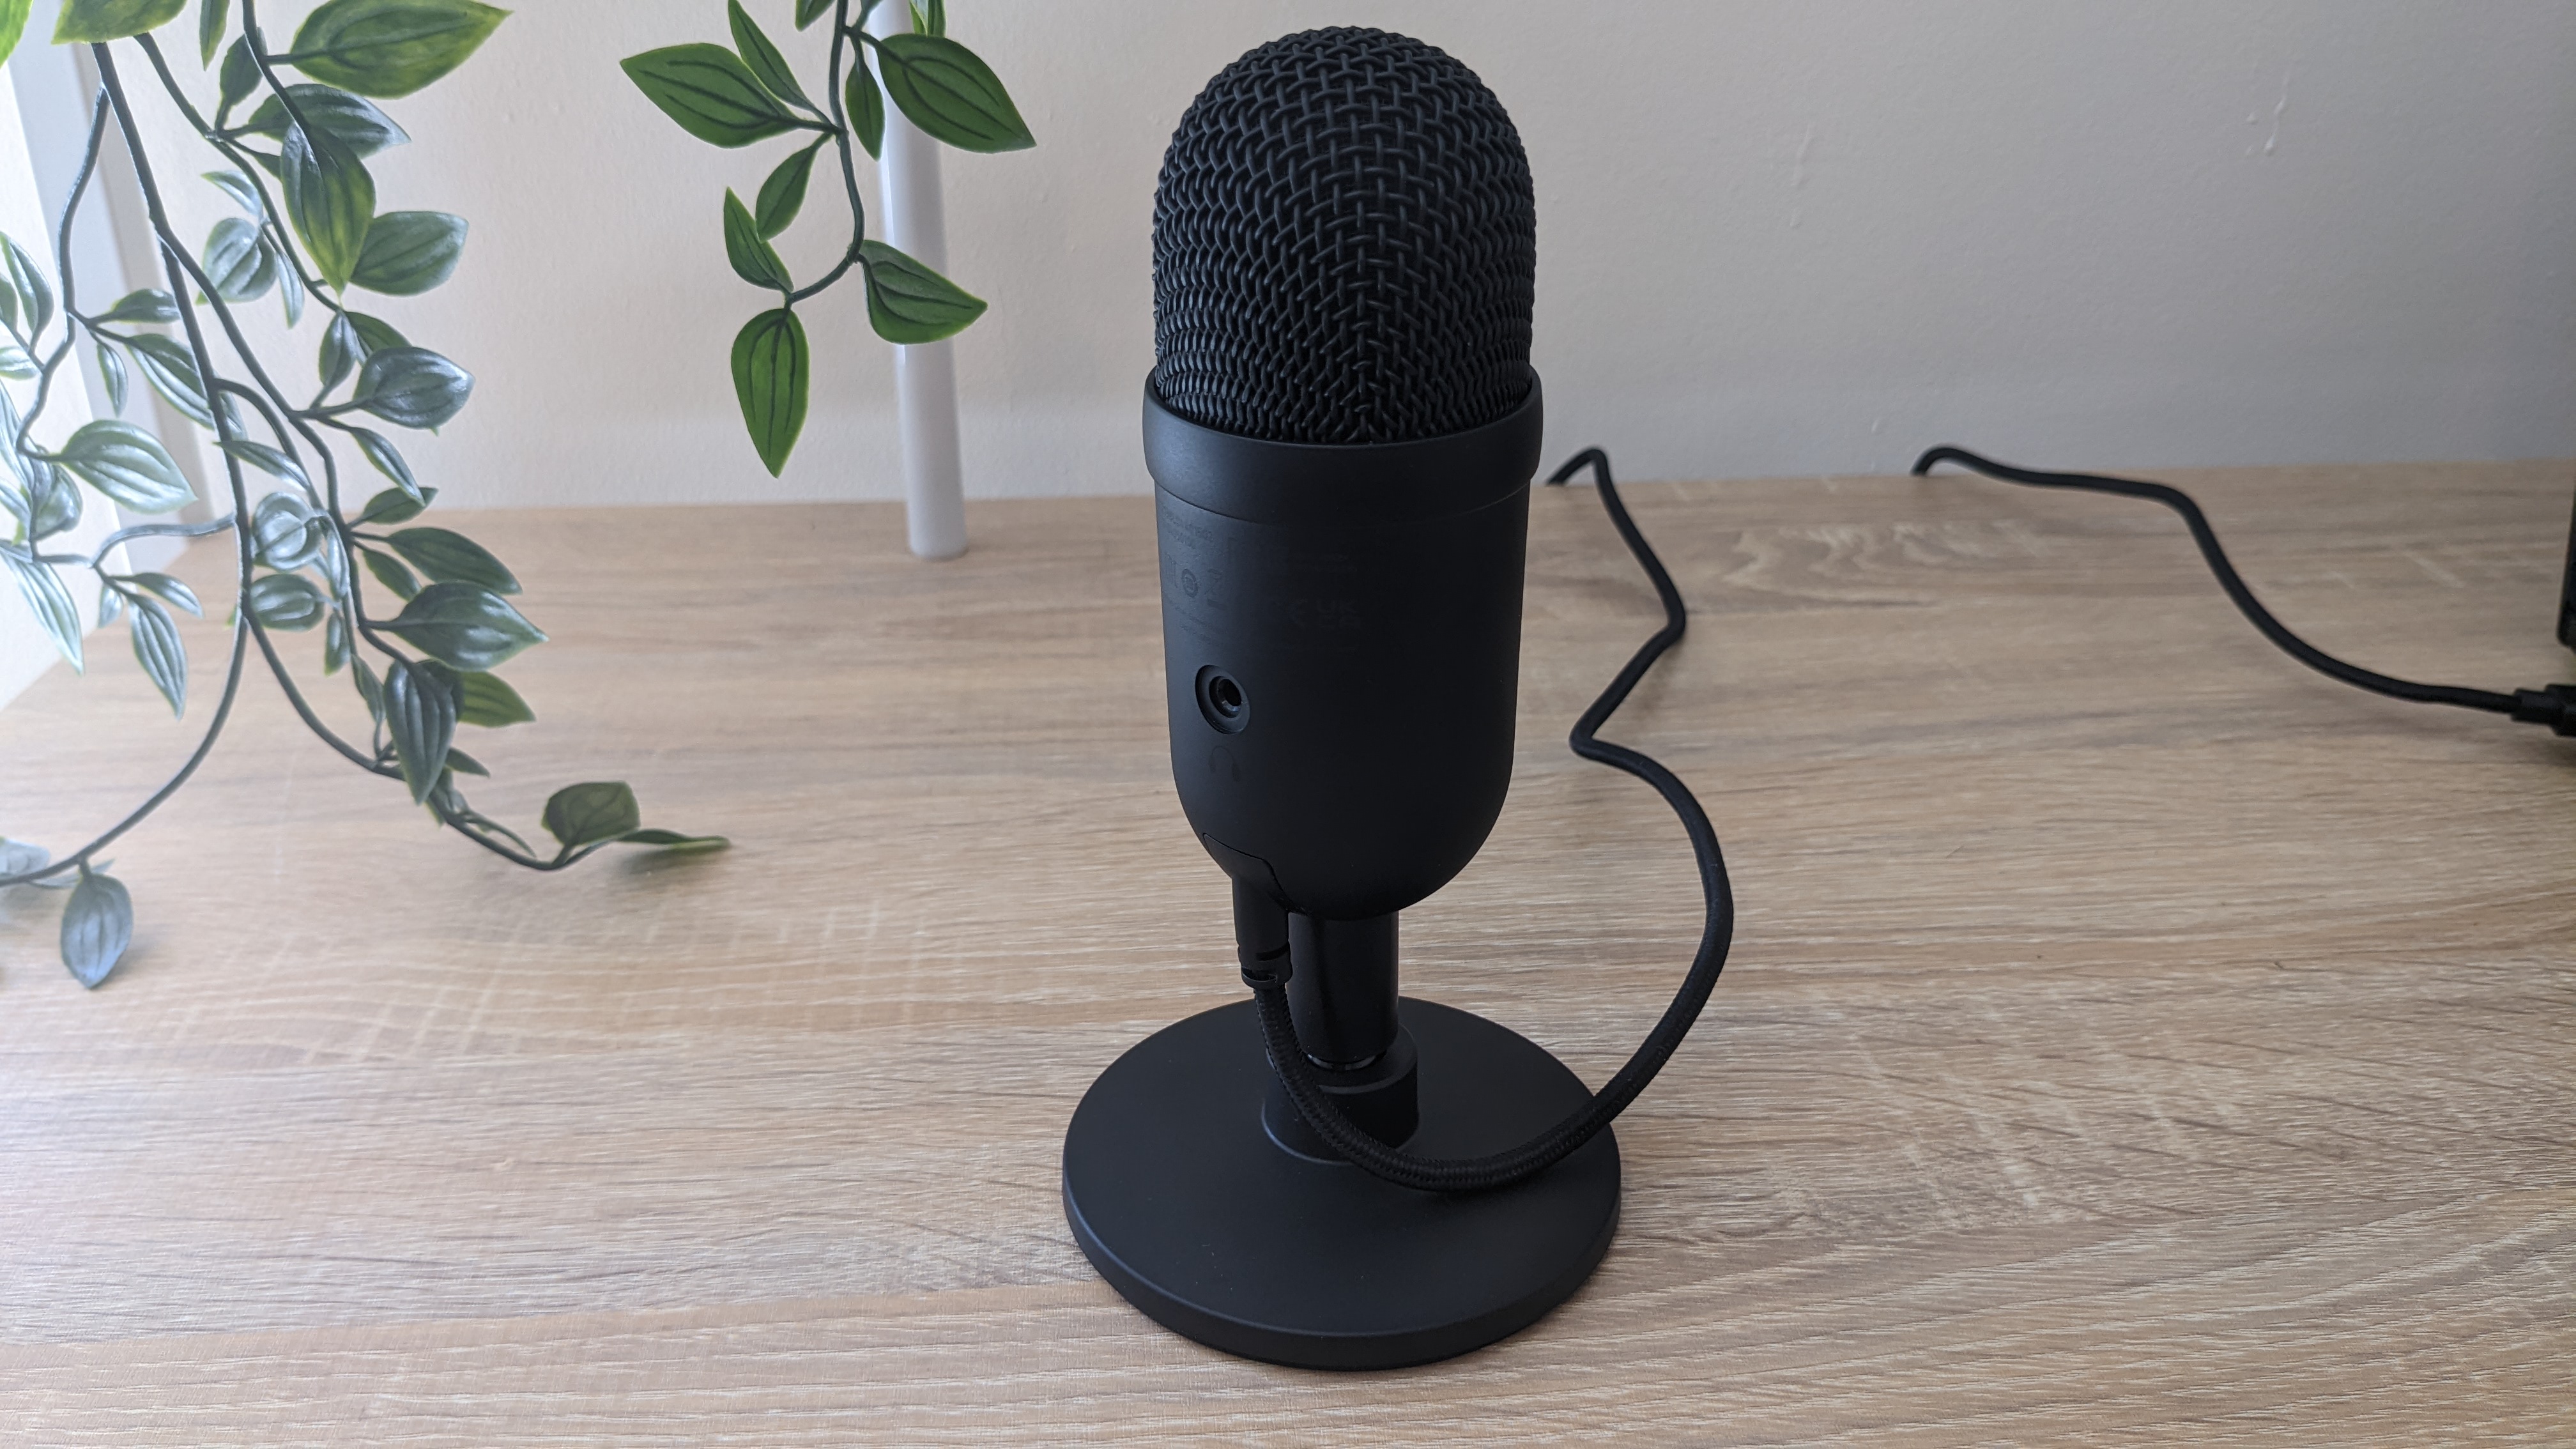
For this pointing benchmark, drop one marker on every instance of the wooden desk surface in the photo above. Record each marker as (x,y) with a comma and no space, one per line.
(2130,1035)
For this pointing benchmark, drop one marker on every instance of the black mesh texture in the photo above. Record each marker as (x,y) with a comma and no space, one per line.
(1344,246)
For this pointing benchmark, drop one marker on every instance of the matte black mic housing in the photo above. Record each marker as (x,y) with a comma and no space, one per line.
(1341,649)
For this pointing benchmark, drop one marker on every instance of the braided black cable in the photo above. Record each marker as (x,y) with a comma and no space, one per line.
(1519,1164)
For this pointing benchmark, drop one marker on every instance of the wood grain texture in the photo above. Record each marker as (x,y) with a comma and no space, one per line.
(2131,1037)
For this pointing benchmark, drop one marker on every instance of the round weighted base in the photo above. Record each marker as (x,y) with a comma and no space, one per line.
(1187,1207)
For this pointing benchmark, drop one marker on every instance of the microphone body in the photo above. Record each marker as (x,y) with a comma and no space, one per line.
(1341,650)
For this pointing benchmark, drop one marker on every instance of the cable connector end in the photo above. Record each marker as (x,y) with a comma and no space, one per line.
(1261,937)
(2554,707)
(1265,973)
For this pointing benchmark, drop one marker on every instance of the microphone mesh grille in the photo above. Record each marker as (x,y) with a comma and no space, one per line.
(1345,246)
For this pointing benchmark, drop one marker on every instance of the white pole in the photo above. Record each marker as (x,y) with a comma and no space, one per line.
(925,375)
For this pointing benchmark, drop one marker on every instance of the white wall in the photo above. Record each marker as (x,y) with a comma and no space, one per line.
(1778,237)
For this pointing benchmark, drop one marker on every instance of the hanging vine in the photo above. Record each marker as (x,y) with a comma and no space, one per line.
(748,94)
(424,652)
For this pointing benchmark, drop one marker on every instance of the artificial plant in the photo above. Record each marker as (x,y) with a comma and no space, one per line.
(293,156)
(750,93)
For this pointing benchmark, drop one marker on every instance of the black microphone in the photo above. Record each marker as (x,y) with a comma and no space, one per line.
(1342,426)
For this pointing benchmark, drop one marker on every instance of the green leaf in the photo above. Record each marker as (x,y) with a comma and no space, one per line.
(452,558)
(13,25)
(240,75)
(709,92)
(17,857)
(809,11)
(286,533)
(30,280)
(368,688)
(290,282)
(351,120)
(770,377)
(351,337)
(172,371)
(910,303)
(341,352)
(412,387)
(287,601)
(127,464)
(395,506)
(94,20)
(586,814)
(335,644)
(489,701)
(783,195)
(237,186)
(19,465)
(213,17)
(148,305)
(766,65)
(465,764)
(163,657)
(53,503)
(754,260)
(238,261)
(930,17)
(950,94)
(390,48)
(866,107)
(391,573)
(375,332)
(330,198)
(409,252)
(51,602)
(179,594)
(15,364)
(391,464)
(466,626)
(111,372)
(268,460)
(420,713)
(674,840)
(98,921)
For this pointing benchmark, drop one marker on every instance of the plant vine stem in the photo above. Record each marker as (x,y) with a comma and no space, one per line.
(181,269)
(259,57)
(276,428)
(256,398)
(849,166)
(233,674)
(273,217)
(80,858)
(157,530)
(360,626)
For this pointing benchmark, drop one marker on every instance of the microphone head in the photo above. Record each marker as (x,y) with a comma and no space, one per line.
(1345,246)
